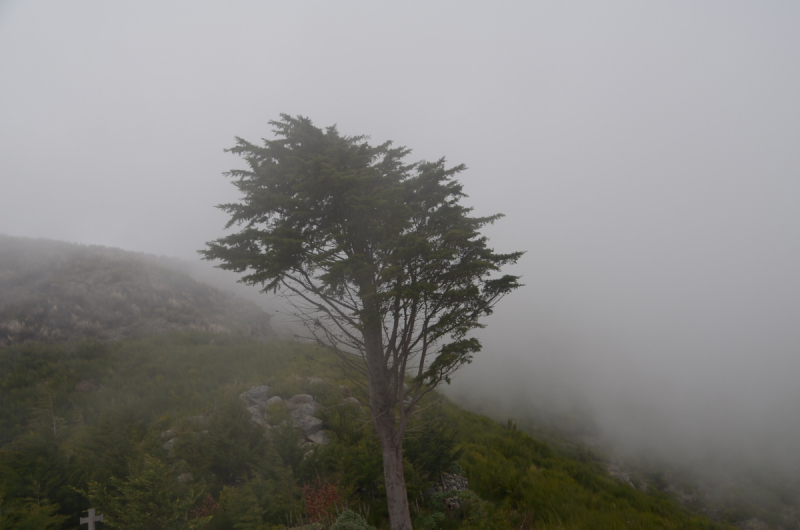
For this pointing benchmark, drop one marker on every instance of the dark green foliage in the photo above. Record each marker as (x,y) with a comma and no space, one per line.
(528,484)
(29,514)
(233,447)
(350,520)
(149,499)
(242,508)
(140,390)
(261,502)
(111,443)
(431,443)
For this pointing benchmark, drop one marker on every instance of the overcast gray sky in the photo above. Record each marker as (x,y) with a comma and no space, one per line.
(647,156)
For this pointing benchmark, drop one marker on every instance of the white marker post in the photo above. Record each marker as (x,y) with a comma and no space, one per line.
(92,519)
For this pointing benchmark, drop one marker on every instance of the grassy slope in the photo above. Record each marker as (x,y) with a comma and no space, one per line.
(55,438)
(735,494)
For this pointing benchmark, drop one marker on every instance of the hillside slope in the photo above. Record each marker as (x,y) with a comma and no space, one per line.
(55,291)
(737,492)
(81,414)
(112,424)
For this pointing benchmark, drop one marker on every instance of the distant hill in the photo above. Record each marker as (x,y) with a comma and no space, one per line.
(56,291)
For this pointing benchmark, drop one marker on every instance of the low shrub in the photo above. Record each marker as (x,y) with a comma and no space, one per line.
(350,520)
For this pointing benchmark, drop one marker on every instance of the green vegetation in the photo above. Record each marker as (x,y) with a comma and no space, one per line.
(350,520)
(151,497)
(751,496)
(86,424)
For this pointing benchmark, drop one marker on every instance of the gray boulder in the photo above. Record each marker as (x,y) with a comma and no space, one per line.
(353,401)
(256,395)
(257,416)
(304,409)
(170,445)
(300,399)
(319,438)
(451,482)
(308,424)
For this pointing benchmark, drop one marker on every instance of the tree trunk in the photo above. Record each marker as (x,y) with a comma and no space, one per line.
(382,403)
(383,417)
(396,495)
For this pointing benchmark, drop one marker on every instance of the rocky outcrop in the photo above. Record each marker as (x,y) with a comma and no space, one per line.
(256,399)
(319,438)
(255,396)
(306,423)
(303,409)
(298,400)
(451,482)
(169,446)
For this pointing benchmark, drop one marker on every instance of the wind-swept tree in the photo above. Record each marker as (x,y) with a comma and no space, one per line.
(378,257)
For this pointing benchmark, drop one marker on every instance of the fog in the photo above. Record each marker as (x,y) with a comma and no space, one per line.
(646,157)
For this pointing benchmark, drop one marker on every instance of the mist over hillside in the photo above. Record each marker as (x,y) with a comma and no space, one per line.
(714,391)
(719,437)
(57,291)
